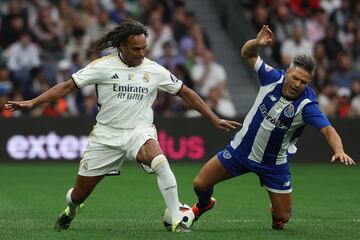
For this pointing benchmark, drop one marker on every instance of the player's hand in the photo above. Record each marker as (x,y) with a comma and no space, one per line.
(13,106)
(343,157)
(264,37)
(226,125)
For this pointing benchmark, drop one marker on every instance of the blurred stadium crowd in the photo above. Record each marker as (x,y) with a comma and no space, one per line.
(42,42)
(328,29)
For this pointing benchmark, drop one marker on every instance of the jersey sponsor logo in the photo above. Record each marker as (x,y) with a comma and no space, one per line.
(130,89)
(289,111)
(115,76)
(227,154)
(146,77)
(130,92)
(266,116)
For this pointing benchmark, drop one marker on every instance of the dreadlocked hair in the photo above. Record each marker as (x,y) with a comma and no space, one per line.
(119,35)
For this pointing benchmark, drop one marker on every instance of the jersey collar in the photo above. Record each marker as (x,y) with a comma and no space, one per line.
(121,59)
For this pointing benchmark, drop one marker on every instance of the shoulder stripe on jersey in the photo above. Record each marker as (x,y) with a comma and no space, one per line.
(258,63)
(302,105)
(274,84)
(101,59)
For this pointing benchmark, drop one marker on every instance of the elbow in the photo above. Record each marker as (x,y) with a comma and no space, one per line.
(243,52)
(328,130)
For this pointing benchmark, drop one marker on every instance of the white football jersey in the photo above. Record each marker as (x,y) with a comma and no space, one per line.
(125,94)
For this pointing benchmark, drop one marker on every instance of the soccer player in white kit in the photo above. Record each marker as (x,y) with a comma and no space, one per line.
(284,105)
(126,85)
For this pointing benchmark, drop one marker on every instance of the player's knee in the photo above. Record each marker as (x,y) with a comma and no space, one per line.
(200,184)
(159,162)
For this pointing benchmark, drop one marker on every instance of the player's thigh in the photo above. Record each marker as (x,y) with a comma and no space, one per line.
(210,174)
(281,203)
(145,146)
(148,151)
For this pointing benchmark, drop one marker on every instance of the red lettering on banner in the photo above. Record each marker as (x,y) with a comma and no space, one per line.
(196,149)
(171,151)
(191,147)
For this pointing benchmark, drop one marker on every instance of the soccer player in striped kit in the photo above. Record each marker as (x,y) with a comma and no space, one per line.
(126,85)
(284,105)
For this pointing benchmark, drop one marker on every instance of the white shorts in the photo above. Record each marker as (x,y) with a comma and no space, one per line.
(108,148)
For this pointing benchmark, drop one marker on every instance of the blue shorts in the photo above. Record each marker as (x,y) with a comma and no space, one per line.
(275,178)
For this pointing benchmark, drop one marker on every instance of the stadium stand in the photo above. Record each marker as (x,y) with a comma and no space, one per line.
(43,42)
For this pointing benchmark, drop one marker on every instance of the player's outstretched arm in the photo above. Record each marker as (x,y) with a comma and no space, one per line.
(250,50)
(335,143)
(50,95)
(195,101)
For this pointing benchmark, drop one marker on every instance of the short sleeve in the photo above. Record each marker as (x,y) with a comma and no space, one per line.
(312,115)
(266,73)
(87,76)
(169,83)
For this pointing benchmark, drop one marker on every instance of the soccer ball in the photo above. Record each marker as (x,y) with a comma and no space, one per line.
(186,213)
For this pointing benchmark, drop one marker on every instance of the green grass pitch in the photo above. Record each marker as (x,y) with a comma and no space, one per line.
(326,205)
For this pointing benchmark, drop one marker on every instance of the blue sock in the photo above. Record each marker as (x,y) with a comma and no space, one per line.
(204,197)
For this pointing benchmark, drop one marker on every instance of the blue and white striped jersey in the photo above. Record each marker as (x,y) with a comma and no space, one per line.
(274,124)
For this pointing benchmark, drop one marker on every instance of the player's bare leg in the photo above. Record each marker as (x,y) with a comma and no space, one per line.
(151,155)
(75,198)
(281,209)
(210,174)
(83,187)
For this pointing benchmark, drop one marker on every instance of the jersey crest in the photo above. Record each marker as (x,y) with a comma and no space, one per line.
(146,77)
(289,111)
(227,154)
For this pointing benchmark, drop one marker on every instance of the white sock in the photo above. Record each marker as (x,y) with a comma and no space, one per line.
(72,206)
(168,188)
